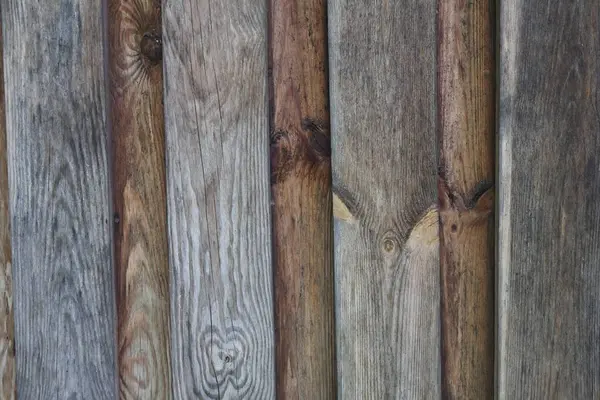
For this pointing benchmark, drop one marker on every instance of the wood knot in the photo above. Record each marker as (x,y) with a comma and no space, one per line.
(319,142)
(390,243)
(151,46)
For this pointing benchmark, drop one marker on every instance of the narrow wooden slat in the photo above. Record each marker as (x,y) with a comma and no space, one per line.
(139,193)
(59,199)
(301,187)
(467,132)
(549,200)
(7,345)
(384,165)
(216,114)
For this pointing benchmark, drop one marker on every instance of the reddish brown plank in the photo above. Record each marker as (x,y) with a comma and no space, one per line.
(7,349)
(139,195)
(466,124)
(301,181)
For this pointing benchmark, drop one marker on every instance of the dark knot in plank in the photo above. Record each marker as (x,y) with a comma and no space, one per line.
(300,150)
(151,46)
(319,142)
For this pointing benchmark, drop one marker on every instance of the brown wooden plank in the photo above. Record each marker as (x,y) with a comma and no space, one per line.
(549,200)
(384,161)
(466,126)
(59,199)
(139,195)
(218,196)
(301,187)
(7,345)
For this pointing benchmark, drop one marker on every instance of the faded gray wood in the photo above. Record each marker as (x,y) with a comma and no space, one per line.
(59,199)
(382,95)
(216,119)
(549,200)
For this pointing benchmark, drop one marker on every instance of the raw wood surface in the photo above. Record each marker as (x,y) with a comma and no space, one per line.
(466,126)
(301,187)
(139,193)
(549,200)
(216,111)
(59,199)
(7,344)
(384,161)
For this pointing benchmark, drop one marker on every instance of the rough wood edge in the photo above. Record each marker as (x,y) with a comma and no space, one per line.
(7,361)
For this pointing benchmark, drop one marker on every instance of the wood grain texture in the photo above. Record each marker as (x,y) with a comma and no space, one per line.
(59,199)
(466,124)
(139,195)
(7,337)
(301,188)
(384,161)
(216,112)
(549,200)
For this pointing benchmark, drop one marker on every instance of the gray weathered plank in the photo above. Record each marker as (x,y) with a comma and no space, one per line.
(218,185)
(549,200)
(384,165)
(59,199)
(7,344)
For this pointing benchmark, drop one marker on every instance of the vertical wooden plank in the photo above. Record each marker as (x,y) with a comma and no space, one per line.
(549,200)
(7,344)
(301,187)
(384,165)
(139,193)
(466,126)
(59,199)
(216,115)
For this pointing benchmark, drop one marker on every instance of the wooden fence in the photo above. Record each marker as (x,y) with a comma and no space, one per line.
(177,221)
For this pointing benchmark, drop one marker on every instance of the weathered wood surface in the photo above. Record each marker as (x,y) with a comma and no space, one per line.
(59,199)
(139,193)
(216,111)
(466,126)
(384,161)
(7,345)
(549,200)
(301,188)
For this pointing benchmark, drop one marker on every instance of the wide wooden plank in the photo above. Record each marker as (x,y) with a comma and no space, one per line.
(7,345)
(216,115)
(139,193)
(466,124)
(301,187)
(384,161)
(59,199)
(549,200)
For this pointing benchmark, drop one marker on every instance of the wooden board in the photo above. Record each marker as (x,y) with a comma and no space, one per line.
(384,161)
(216,115)
(59,197)
(466,126)
(549,200)
(139,193)
(301,187)
(7,344)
